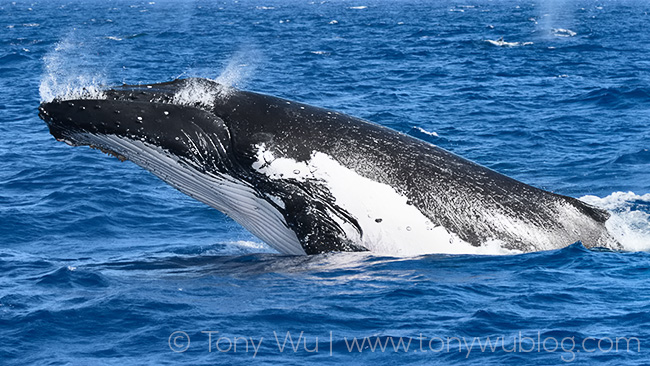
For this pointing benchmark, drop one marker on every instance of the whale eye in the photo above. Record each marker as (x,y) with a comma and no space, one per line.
(378,220)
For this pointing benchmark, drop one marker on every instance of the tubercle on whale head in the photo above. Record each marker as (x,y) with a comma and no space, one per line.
(48,112)
(66,135)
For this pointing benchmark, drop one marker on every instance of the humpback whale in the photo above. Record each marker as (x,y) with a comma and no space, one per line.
(308,180)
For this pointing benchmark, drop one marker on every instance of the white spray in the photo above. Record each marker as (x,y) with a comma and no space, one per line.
(630,218)
(67,74)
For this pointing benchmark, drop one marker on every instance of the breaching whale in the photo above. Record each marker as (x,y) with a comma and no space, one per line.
(307,180)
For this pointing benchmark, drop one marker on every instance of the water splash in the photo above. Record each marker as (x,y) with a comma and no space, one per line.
(67,75)
(71,72)
(239,68)
(630,218)
(199,92)
(554,18)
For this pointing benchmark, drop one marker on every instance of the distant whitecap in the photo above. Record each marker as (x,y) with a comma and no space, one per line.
(420,129)
(561,32)
(502,43)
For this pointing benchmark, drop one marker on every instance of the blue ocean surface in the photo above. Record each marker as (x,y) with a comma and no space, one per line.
(101,263)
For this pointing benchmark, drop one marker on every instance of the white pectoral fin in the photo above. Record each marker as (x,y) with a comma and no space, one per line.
(234,197)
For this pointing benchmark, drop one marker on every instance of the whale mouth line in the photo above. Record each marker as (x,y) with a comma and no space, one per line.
(72,140)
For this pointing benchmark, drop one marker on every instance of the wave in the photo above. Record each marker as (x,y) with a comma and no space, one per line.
(70,277)
(636,158)
(13,57)
(615,97)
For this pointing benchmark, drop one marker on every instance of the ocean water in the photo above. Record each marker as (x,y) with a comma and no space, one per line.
(102,263)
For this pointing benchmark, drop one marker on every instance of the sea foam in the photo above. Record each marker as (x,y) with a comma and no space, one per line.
(630,218)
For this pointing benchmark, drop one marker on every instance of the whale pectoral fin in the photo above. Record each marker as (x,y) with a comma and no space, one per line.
(317,231)
(317,223)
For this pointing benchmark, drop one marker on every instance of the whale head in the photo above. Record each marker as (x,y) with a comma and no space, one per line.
(152,116)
